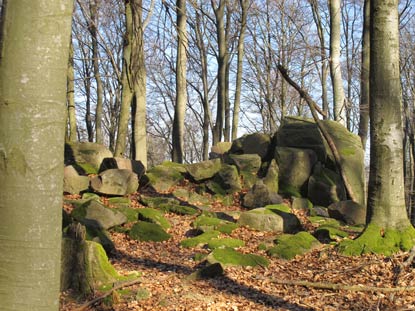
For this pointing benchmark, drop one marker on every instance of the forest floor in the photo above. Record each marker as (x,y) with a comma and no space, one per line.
(165,267)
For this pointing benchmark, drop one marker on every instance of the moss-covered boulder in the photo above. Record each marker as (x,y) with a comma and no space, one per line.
(115,182)
(226,181)
(100,236)
(256,143)
(74,183)
(271,177)
(96,215)
(260,195)
(154,216)
(206,223)
(349,212)
(325,187)
(191,197)
(225,242)
(248,166)
(288,246)
(295,167)
(229,257)
(164,176)
(268,219)
(204,170)
(327,233)
(207,272)
(134,166)
(219,150)
(157,201)
(302,204)
(200,240)
(86,156)
(178,209)
(147,231)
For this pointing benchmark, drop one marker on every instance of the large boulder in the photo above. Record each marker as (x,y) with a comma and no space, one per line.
(248,166)
(295,167)
(219,150)
(115,182)
(74,183)
(325,187)
(86,156)
(256,143)
(349,212)
(96,215)
(266,219)
(123,164)
(226,181)
(260,195)
(204,170)
(271,177)
(164,176)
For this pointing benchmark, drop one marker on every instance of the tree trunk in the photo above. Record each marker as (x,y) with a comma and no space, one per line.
(93,24)
(364,77)
(34,42)
(70,98)
(389,228)
(239,70)
(181,91)
(339,106)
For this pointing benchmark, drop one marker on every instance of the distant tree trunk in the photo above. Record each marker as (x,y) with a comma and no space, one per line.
(222,61)
(181,91)
(239,70)
(364,77)
(127,92)
(138,113)
(227,102)
(339,106)
(70,98)
(93,24)
(34,46)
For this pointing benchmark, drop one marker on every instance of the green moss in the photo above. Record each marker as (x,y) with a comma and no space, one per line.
(155,202)
(146,231)
(327,232)
(289,190)
(226,200)
(201,239)
(375,239)
(90,196)
(279,207)
(98,269)
(206,223)
(179,209)
(288,246)
(318,220)
(199,257)
(142,294)
(229,257)
(154,216)
(130,213)
(225,242)
(347,151)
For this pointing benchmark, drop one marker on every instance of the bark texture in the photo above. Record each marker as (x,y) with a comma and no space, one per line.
(33,72)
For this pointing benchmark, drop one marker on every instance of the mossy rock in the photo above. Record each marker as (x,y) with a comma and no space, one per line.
(162,177)
(208,272)
(178,209)
(200,240)
(155,202)
(248,166)
(100,236)
(204,170)
(327,233)
(119,201)
(319,220)
(90,196)
(86,156)
(147,231)
(191,197)
(154,216)
(379,240)
(302,204)
(226,181)
(288,246)
(229,257)
(279,208)
(206,223)
(225,242)
(225,200)
(129,212)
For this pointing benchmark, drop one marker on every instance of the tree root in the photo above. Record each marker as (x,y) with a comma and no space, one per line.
(352,288)
(86,305)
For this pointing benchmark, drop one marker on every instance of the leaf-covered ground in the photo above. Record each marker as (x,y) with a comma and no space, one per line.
(165,267)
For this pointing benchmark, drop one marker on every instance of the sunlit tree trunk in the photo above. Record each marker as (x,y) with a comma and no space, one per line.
(70,98)
(364,76)
(34,47)
(181,91)
(339,107)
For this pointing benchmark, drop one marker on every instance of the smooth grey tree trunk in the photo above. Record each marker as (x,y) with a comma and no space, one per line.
(33,72)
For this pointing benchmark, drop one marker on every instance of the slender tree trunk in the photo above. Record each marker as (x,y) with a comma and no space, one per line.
(93,24)
(364,77)
(34,40)
(70,98)
(181,90)
(239,70)
(339,106)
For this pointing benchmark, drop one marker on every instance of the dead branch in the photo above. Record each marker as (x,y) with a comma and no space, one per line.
(313,108)
(86,305)
(352,288)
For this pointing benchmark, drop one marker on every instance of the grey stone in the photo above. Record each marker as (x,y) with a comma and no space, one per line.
(260,196)
(86,157)
(256,143)
(73,183)
(248,166)
(350,212)
(204,170)
(123,164)
(115,182)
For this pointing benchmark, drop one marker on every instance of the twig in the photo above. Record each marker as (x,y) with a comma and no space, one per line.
(352,288)
(410,259)
(95,300)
